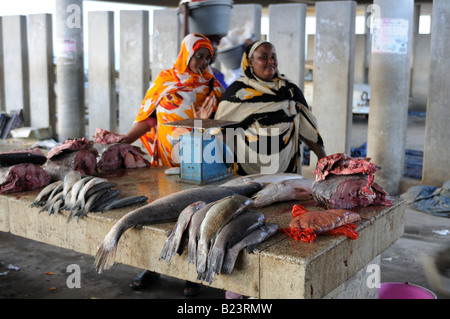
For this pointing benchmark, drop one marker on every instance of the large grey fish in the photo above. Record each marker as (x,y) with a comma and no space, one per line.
(173,240)
(231,233)
(164,209)
(290,189)
(251,240)
(194,227)
(43,195)
(216,218)
(262,178)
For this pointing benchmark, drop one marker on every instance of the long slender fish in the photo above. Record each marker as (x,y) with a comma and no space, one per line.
(56,190)
(251,240)
(109,197)
(163,209)
(194,227)
(126,201)
(291,189)
(262,178)
(70,203)
(69,180)
(173,240)
(216,218)
(92,201)
(234,231)
(101,186)
(49,205)
(43,195)
(81,200)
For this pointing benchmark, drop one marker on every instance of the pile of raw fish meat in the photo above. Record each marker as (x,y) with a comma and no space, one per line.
(28,169)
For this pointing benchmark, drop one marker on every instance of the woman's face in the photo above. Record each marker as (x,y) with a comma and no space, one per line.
(200,61)
(264,62)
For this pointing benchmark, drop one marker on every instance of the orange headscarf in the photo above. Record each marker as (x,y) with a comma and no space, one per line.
(172,94)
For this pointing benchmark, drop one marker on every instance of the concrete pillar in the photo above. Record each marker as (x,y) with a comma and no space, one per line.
(134,65)
(333,73)
(42,74)
(70,69)
(15,50)
(102,83)
(310,47)
(360,75)
(2,81)
(165,46)
(437,132)
(420,73)
(290,35)
(368,41)
(389,79)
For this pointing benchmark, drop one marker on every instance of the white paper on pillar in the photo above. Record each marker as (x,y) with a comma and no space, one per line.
(66,48)
(390,36)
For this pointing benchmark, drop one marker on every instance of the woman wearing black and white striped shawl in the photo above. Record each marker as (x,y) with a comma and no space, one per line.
(272,113)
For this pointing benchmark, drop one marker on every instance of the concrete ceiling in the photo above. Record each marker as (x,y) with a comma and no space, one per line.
(264,3)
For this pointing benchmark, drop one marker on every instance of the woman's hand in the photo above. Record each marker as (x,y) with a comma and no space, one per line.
(207,108)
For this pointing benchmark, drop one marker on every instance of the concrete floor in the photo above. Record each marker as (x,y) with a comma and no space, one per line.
(43,270)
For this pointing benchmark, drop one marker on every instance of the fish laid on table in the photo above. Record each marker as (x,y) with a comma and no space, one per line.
(349,191)
(69,180)
(216,218)
(262,178)
(250,241)
(164,209)
(81,195)
(33,156)
(122,202)
(291,189)
(99,187)
(22,177)
(173,240)
(70,202)
(83,161)
(49,206)
(43,195)
(231,233)
(119,155)
(81,201)
(194,227)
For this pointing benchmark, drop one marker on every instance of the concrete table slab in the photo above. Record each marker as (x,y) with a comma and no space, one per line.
(279,268)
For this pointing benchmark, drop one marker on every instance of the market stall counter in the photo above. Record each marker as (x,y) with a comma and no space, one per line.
(280,267)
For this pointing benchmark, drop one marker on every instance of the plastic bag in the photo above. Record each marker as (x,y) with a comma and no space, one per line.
(306,225)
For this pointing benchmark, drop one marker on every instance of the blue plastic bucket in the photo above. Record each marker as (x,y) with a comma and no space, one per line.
(398,290)
(210,17)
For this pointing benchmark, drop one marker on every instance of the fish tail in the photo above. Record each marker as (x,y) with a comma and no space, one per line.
(229,261)
(216,260)
(165,250)
(209,276)
(106,254)
(192,250)
(201,258)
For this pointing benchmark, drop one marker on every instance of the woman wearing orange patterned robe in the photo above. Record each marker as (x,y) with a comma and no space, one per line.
(188,90)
